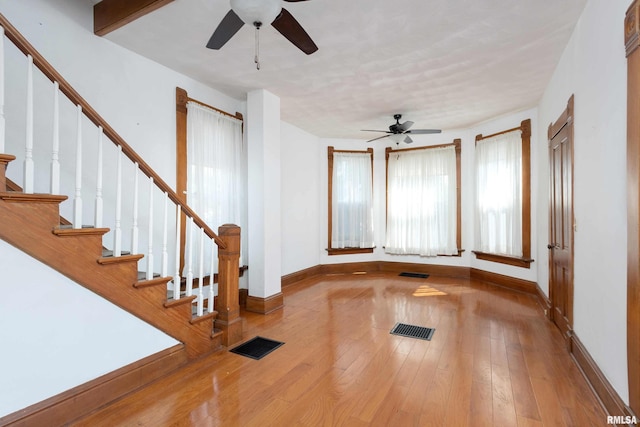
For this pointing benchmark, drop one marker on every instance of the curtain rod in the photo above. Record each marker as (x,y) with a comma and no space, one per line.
(455,143)
(235,116)
(480,137)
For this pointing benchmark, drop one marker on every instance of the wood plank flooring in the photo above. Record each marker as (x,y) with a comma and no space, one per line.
(494,360)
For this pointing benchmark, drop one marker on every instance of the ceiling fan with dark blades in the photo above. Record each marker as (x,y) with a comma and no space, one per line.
(398,129)
(257,13)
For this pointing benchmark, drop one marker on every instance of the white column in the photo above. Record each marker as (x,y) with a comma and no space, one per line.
(263,136)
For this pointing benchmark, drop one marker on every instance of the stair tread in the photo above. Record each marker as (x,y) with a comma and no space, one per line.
(65,231)
(119,259)
(156,281)
(14,196)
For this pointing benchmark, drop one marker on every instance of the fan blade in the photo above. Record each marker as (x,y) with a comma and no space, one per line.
(287,25)
(229,25)
(408,140)
(405,126)
(423,131)
(374,130)
(380,137)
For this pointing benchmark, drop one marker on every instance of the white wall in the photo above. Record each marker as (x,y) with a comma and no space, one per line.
(56,342)
(593,68)
(300,199)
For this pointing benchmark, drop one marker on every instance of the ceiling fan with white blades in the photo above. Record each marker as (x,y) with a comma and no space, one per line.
(258,13)
(397,131)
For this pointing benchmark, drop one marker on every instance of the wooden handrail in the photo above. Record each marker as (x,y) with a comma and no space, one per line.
(47,69)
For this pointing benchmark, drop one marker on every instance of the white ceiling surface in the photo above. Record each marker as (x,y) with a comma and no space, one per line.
(443,64)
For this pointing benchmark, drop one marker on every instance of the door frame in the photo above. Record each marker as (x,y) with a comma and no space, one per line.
(565,119)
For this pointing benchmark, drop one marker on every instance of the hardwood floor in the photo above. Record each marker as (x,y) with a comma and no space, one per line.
(494,360)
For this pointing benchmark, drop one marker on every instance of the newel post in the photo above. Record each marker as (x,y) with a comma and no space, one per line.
(5,159)
(228,269)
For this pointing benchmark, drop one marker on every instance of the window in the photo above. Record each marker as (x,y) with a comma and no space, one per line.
(423,200)
(350,201)
(503,196)
(210,171)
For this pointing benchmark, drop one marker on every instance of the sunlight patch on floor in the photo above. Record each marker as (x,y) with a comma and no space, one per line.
(427,291)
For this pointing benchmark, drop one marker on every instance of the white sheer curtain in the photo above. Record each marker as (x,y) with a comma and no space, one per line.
(214,182)
(499,194)
(422,202)
(352,212)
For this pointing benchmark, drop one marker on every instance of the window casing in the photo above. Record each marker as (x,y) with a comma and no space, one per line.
(418,194)
(350,201)
(503,197)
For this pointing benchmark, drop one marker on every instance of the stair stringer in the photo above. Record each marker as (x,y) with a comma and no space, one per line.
(28,223)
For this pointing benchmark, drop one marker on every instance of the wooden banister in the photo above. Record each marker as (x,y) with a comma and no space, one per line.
(47,69)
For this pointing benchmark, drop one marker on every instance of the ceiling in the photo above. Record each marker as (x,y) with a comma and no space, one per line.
(445,64)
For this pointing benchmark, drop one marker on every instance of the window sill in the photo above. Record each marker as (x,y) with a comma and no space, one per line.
(348,251)
(504,259)
(459,254)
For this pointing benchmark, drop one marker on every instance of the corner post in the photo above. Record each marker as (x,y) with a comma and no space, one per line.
(228,308)
(5,159)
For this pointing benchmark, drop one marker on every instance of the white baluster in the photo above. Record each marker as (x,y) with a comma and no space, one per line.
(189,288)
(55,163)
(201,274)
(2,125)
(150,254)
(77,200)
(28,151)
(176,276)
(134,227)
(99,202)
(211,276)
(117,232)
(165,255)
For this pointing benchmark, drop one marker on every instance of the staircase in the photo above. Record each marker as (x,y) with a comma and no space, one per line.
(32,222)
(78,254)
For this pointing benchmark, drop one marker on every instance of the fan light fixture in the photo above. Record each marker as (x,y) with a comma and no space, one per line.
(398,138)
(253,11)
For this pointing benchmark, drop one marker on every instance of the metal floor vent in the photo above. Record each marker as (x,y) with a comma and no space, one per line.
(413,331)
(256,348)
(416,275)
